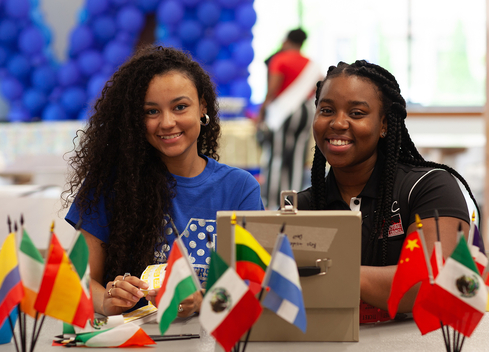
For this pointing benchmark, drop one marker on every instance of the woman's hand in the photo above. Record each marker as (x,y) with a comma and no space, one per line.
(190,305)
(122,293)
(187,307)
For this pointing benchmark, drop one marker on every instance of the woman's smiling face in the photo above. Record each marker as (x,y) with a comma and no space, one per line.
(348,122)
(172,114)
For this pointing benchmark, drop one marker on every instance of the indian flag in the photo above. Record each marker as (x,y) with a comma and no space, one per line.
(229,308)
(61,295)
(31,267)
(124,335)
(459,295)
(252,259)
(179,283)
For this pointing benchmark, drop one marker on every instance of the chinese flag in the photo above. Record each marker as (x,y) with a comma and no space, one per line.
(411,269)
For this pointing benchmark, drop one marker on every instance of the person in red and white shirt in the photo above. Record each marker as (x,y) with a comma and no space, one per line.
(286,115)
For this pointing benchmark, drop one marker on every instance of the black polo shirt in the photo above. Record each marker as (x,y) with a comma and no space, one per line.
(417,190)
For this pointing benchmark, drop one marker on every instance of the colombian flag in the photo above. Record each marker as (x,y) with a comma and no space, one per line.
(61,295)
(11,290)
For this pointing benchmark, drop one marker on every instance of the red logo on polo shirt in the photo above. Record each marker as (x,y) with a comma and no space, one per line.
(395,229)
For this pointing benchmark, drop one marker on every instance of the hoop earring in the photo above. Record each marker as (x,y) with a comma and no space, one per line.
(207,120)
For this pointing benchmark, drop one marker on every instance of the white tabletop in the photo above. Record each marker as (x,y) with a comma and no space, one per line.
(388,336)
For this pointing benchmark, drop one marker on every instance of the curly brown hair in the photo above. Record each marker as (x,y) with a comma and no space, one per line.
(114,161)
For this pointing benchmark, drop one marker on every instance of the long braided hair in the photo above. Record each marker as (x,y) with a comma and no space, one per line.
(114,160)
(397,147)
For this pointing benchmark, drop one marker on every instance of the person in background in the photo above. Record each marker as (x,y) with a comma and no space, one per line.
(360,132)
(147,159)
(285,118)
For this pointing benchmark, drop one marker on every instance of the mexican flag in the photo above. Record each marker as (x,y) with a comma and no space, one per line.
(124,335)
(179,283)
(229,308)
(459,294)
(31,267)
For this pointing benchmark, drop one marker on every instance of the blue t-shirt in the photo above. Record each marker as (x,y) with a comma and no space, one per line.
(194,208)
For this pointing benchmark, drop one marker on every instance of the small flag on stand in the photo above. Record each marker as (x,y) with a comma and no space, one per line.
(79,255)
(31,266)
(251,258)
(426,321)
(6,332)
(459,295)
(476,246)
(411,269)
(125,335)
(179,283)
(229,308)
(282,277)
(11,290)
(485,277)
(61,294)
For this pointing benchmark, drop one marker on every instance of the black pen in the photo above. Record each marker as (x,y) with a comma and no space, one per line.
(174,337)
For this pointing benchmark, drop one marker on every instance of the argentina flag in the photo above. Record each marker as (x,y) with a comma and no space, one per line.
(282,277)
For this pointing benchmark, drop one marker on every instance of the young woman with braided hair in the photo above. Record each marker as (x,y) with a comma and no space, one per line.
(148,156)
(359,130)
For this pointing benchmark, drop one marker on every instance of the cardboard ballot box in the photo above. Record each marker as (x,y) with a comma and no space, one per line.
(330,240)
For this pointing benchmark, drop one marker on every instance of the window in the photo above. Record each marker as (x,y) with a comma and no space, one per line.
(435,48)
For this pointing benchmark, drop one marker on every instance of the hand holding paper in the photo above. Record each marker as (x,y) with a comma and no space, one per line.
(123,294)
(153,275)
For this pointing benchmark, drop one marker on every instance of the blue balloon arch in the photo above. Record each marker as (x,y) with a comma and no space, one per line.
(37,86)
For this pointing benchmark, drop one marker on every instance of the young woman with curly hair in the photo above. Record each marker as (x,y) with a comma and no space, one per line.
(359,130)
(148,155)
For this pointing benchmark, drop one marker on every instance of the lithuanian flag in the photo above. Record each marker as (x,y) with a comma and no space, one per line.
(61,295)
(251,258)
